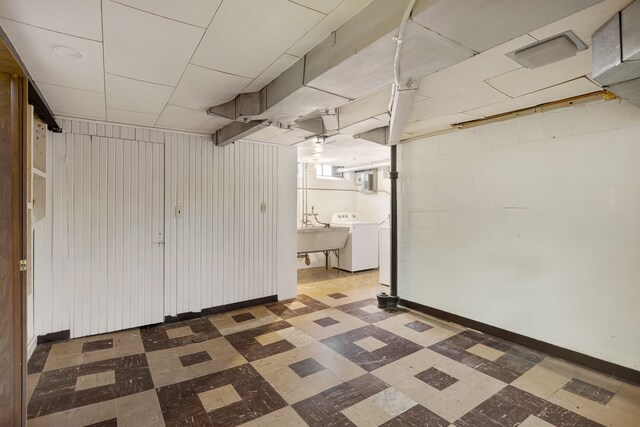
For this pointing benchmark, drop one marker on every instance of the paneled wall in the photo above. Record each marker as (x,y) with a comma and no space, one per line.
(531,225)
(214,216)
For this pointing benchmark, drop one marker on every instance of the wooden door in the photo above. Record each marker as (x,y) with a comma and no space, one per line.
(13,243)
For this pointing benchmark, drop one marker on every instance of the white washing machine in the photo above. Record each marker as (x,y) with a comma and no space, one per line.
(385,254)
(361,250)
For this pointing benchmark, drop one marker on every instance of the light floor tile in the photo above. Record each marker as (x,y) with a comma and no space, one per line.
(370,344)
(485,352)
(219,397)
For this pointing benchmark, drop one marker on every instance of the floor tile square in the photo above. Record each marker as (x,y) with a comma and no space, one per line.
(370,309)
(219,397)
(269,338)
(85,382)
(417,416)
(243,317)
(485,352)
(370,344)
(337,295)
(246,344)
(418,326)
(300,305)
(194,358)
(533,421)
(436,378)
(180,332)
(296,305)
(306,367)
(307,323)
(588,391)
(97,345)
(326,321)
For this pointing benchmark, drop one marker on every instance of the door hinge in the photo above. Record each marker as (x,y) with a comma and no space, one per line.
(23,265)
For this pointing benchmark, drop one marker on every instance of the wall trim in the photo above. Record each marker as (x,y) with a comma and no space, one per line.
(220,309)
(54,337)
(609,368)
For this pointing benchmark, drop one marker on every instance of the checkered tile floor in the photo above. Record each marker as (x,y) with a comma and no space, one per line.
(329,357)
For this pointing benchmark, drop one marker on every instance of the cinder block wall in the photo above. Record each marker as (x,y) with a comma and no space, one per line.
(531,225)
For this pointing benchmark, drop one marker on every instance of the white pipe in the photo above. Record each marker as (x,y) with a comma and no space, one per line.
(396,60)
(370,165)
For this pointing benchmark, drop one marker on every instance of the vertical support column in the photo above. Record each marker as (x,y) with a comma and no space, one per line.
(393,176)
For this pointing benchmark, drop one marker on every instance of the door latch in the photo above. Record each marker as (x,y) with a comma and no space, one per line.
(23,265)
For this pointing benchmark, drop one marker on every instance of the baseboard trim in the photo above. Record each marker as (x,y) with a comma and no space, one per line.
(54,337)
(220,309)
(617,371)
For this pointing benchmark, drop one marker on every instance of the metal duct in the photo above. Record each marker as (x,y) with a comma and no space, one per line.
(616,54)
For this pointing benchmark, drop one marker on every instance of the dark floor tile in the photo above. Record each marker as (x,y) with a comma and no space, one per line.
(38,359)
(368,385)
(326,321)
(195,358)
(337,295)
(343,396)
(94,395)
(417,416)
(418,326)
(498,372)
(41,406)
(306,367)
(231,415)
(436,378)
(396,347)
(589,391)
(156,338)
(97,345)
(244,342)
(243,317)
(317,411)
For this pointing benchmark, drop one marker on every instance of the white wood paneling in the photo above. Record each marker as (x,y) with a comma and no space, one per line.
(114,195)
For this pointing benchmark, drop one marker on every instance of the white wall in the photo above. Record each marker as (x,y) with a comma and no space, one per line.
(223,250)
(328,196)
(531,225)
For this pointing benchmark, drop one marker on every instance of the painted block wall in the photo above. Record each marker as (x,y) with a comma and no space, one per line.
(225,247)
(531,225)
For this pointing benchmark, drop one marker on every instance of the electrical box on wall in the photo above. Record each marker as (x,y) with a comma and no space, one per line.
(179,211)
(367,181)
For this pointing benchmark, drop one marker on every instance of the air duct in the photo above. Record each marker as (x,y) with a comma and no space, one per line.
(616,54)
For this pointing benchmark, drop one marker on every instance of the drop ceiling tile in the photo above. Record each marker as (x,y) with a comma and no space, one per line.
(323,6)
(583,23)
(274,70)
(566,90)
(131,117)
(194,12)
(246,36)
(174,117)
(488,64)
(525,80)
(457,101)
(145,46)
(341,14)
(73,102)
(35,47)
(213,124)
(201,88)
(80,18)
(135,95)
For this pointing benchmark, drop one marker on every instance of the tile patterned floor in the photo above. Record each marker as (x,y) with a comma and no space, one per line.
(327,358)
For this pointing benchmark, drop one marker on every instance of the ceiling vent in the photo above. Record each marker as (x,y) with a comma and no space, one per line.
(547,51)
(616,54)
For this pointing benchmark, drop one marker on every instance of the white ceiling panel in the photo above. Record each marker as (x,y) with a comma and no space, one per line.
(74,102)
(562,91)
(174,117)
(278,67)
(346,10)
(323,6)
(488,64)
(201,88)
(265,134)
(457,101)
(213,124)
(131,117)
(583,23)
(194,12)
(35,47)
(80,18)
(145,46)
(246,36)
(135,95)
(525,80)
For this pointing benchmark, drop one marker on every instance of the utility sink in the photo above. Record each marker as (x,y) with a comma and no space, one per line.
(319,239)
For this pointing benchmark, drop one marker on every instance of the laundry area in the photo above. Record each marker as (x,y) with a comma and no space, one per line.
(320,213)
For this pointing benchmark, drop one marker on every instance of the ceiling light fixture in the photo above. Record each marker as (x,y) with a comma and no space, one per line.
(547,51)
(67,51)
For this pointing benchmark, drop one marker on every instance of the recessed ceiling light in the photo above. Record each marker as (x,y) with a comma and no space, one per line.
(547,51)
(67,51)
